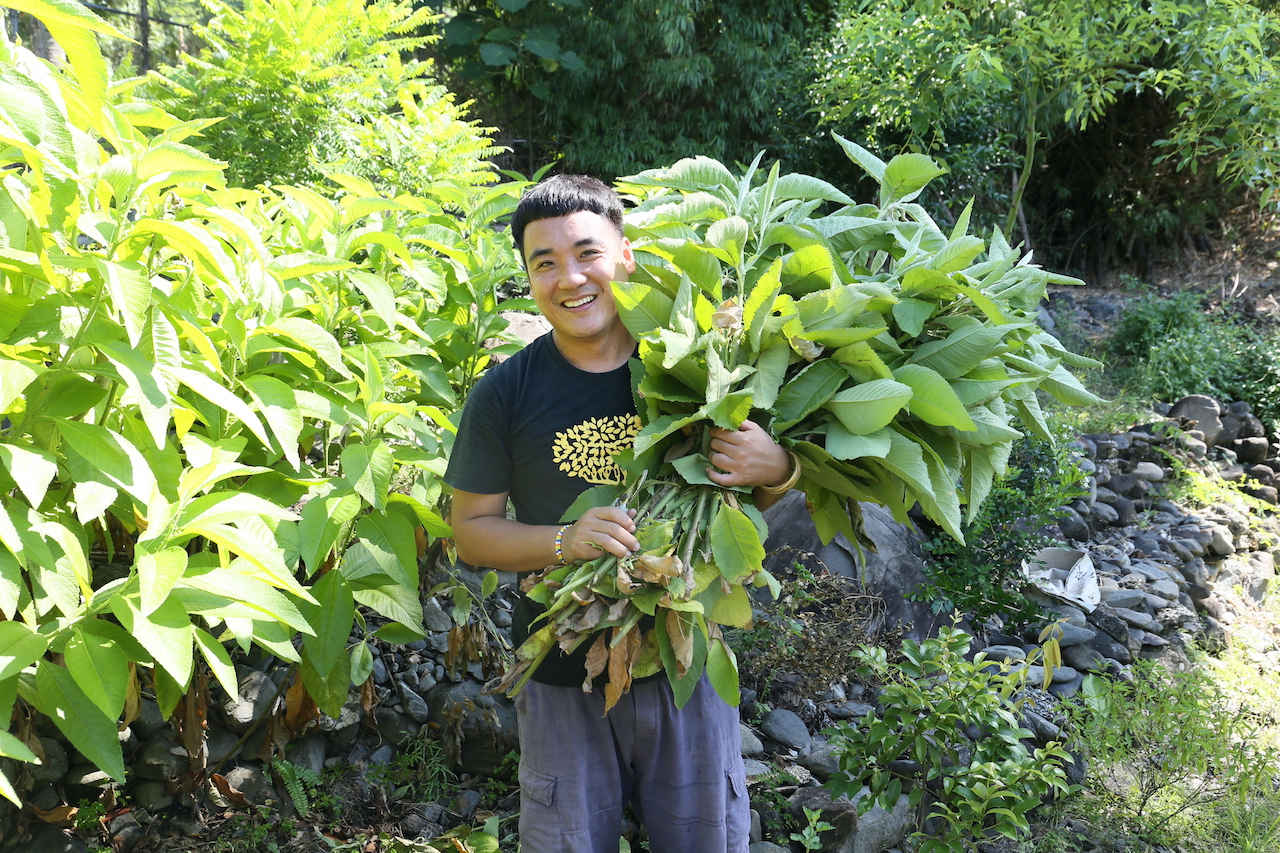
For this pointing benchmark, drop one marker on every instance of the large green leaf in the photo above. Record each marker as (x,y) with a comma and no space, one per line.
(331,617)
(32,468)
(870,406)
(101,668)
(932,399)
(735,544)
(962,350)
(15,376)
(165,633)
(256,545)
(157,574)
(279,407)
(19,648)
(219,396)
(12,583)
(391,537)
(329,689)
(905,175)
(73,26)
(722,671)
(90,731)
(94,450)
(322,521)
(643,309)
(368,468)
(130,293)
(809,390)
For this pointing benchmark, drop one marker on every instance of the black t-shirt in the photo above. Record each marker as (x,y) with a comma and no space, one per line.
(543,431)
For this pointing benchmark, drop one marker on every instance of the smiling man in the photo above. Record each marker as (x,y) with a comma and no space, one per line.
(539,429)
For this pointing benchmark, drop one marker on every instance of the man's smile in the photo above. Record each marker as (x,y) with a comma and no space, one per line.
(582,300)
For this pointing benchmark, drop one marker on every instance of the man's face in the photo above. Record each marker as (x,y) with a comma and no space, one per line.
(571,261)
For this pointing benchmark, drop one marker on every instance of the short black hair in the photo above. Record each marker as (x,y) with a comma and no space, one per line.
(561,195)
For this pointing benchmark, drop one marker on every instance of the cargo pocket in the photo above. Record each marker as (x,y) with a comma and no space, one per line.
(538,787)
(737,774)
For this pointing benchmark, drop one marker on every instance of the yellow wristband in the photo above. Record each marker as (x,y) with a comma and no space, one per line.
(783,488)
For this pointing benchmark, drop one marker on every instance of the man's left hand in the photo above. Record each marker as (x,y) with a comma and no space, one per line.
(747,456)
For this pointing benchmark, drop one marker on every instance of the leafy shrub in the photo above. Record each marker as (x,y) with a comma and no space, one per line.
(983,576)
(206,396)
(1165,744)
(287,90)
(1171,346)
(918,744)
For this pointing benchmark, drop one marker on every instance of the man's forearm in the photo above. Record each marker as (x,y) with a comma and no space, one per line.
(505,544)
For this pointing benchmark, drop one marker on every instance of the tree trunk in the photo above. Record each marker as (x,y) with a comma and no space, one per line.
(44,46)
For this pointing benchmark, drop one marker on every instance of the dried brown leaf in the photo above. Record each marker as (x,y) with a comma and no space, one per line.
(681,637)
(597,660)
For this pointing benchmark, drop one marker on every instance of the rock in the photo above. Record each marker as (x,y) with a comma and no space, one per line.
(1043,730)
(1107,647)
(1064,674)
(149,722)
(751,745)
(1138,619)
(1122,597)
(45,838)
(1165,588)
(394,727)
(767,847)
(45,799)
(152,795)
(53,766)
(1126,511)
(466,803)
(1105,514)
(414,705)
(896,565)
(821,760)
(257,695)
(1221,541)
(786,728)
(252,783)
(840,813)
(1083,658)
(756,769)
(487,723)
(125,832)
(309,752)
(1251,450)
(1005,653)
(1105,618)
(1149,471)
(221,744)
(161,760)
(434,617)
(1072,525)
(1067,689)
(1073,635)
(1204,413)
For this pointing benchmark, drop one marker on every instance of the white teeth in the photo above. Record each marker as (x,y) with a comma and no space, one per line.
(574,303)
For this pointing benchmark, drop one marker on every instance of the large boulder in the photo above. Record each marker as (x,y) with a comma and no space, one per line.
(895,568)
(482,726)
(1204,412)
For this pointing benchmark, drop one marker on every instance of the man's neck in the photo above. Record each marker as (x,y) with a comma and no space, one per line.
(597,356)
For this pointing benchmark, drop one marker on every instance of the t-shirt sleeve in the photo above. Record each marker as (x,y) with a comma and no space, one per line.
(481,457)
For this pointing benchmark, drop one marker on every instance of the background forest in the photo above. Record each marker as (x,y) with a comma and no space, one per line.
(254,258)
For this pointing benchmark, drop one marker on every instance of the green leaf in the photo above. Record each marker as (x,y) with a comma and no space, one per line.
(912,314)
(79,718)
(809,390)
(19,648)
(73,26)
(165,633)
(394,601)
(15,376)
(808,270)
(870,406)
(497,55)
(932,399)
(331,617)
(733,608)
(391,537)
(157,574)
(12,583)
(219,396)
(592,497)
(906,175)
(93,449)
(279,407)
(361,663)
(759,304)
(722,670)
(735,544)
(130,292)
(368,468)
(729,411)
(843,444)
(870,163)
(329,689)
(32,468)
(101,668)
(258,547)
(962,350)
(310,335)
(215,654)
(322,520)
(643,309)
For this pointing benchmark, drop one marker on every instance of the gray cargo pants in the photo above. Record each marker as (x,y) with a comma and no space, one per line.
(681,770)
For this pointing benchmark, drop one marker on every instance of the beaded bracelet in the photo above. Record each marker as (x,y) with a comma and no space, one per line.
(560,542)
(783,488)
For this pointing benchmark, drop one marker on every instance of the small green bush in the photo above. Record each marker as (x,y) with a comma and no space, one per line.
(918,744)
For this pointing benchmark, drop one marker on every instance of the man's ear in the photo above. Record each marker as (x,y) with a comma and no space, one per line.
(628,256)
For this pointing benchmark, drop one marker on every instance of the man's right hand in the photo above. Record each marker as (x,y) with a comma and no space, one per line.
(600,530)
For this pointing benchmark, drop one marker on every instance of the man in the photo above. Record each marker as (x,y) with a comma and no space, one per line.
(539,429)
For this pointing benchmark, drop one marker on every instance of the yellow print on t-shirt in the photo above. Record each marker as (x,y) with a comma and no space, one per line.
(587,450)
